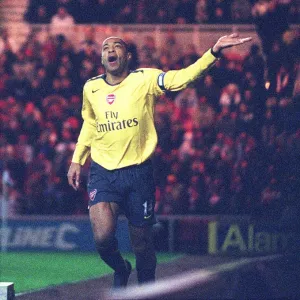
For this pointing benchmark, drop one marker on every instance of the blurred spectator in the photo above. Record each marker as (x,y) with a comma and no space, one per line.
(185,12)
(269,129)
(296,89)
(104,11)
(7,44)
(174,197)
(271,19)
(283,83)
(31,119)
(149,53)
(31,47)
(204,115)
(42,15)
(233,71)
(220,11)
(227,151)
(208,89)
(163,128)
(4,76)
(237,201)
(89,40)
(164,13)
(276,58)
(39,11)
(202,11)
(216,197)
(230,96)
(270,200)
(125,13)
(294,11)
(254,63)
(19,86)
(172,49)
(227,122)
(68,4)
(240,11)
(189,56)
(23,65)
(187,99)
(141,13)
(40,86)
(196,196)
(245,120)
(61,22)
(88,11)
(186,149)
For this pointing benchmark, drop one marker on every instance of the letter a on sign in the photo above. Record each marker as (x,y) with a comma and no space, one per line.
(234,239)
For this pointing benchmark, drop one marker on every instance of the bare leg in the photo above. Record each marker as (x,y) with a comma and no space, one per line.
(143,247)
(103,216)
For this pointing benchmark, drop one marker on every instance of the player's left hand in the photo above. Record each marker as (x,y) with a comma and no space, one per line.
(227,41)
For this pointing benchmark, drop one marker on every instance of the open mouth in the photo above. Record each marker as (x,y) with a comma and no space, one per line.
(112,59)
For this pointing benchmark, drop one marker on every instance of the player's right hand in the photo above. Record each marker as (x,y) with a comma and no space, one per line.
(74,175)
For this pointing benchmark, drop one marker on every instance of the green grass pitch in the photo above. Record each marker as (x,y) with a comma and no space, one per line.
(35,270)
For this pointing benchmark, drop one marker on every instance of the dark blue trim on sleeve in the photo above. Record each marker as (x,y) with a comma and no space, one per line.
(160,81)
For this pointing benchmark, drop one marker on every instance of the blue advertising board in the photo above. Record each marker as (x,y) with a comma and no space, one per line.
(189,234)
(57,234)
(250,238)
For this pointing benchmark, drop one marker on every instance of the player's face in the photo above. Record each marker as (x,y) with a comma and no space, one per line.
(115,56)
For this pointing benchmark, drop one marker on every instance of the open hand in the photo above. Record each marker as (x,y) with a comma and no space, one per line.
(74,175)
(227,41)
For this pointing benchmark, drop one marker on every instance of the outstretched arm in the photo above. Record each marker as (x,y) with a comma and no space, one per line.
(179,79)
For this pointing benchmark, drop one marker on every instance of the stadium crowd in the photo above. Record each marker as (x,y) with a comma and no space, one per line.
(157,11)
(228,144)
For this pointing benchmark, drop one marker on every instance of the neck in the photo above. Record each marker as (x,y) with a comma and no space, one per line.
(116,79)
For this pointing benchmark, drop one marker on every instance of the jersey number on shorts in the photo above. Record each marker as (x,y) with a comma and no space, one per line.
(147,210)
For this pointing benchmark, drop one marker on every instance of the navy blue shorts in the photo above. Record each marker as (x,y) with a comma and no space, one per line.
(132,187)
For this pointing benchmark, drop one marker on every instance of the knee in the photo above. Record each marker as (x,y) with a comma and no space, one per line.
(106,244)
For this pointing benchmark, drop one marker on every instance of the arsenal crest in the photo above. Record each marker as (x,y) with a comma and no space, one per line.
(110,98)
(92,194)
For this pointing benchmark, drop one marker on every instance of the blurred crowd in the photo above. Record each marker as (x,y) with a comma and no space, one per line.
(158,11)
(229,144)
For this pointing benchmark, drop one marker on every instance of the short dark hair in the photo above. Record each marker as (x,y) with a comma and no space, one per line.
(121,40)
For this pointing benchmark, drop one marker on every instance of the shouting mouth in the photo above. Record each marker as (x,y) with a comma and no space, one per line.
(112,60)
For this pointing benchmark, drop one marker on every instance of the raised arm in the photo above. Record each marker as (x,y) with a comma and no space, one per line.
(175,80)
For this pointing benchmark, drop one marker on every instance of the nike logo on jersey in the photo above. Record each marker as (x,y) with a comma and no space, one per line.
(94,91)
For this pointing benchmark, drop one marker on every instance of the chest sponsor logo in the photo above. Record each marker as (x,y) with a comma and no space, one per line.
(110,98)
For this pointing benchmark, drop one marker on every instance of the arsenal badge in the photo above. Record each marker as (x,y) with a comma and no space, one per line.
(92,194)
(110,98)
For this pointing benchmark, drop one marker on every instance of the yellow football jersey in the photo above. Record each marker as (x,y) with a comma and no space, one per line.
(118,128)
